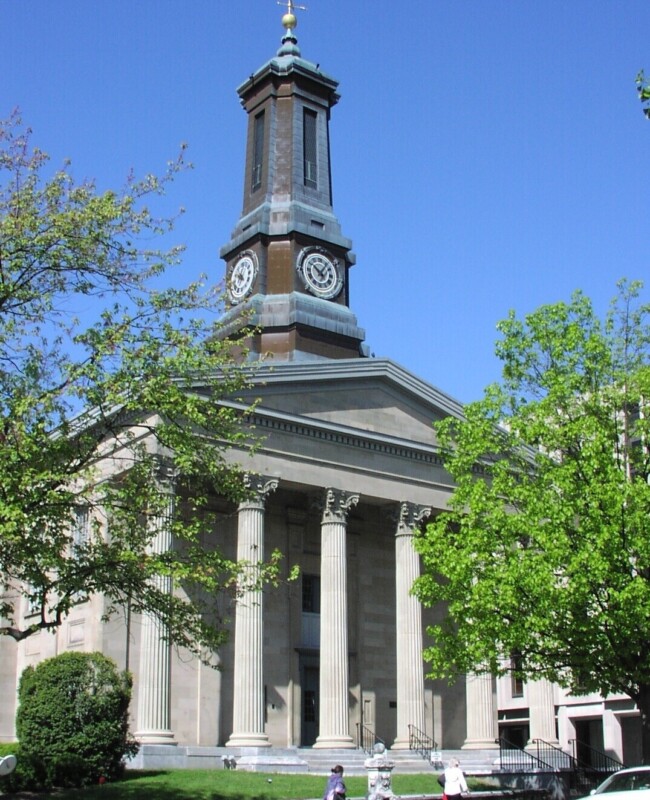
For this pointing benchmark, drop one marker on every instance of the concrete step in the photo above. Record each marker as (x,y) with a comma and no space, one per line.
(472,762)
(304,759)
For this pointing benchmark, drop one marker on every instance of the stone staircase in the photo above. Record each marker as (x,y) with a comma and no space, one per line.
(472,762)
(304,759)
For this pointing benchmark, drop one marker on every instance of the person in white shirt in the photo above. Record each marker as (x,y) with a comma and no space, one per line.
(454,783)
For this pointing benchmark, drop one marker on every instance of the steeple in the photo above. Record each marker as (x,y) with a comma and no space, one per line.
(287,261)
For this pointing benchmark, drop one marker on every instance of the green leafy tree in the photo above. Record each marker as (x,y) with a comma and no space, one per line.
(72,720)
(544,551)
(105,381)
(643,88)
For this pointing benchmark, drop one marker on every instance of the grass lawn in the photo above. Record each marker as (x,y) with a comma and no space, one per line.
(204,784)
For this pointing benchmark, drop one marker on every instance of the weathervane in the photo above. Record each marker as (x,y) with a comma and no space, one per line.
(289,20)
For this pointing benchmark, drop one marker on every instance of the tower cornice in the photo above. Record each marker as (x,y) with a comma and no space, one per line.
(282,68)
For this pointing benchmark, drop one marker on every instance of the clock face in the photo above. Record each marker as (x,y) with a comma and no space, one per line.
(321,274)
(241,277)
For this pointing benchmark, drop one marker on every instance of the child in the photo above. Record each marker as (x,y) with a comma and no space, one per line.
(335,789)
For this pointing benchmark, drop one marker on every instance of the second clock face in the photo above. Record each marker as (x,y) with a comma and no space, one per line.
(321,274)
(242,277)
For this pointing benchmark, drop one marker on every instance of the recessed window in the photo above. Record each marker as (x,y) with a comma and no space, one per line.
(309,121)
(309,705)
(258,152)
(516,680)
(81,526)
(311,594)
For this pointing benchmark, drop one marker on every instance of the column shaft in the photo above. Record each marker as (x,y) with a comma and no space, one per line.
(248,692)
(334,728)
(408,620)
(154,675)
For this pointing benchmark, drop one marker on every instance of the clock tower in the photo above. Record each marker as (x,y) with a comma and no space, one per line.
(287,262)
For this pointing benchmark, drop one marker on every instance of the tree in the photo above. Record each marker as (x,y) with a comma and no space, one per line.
(72,720)
(643,88)
(544,551)
(100,412)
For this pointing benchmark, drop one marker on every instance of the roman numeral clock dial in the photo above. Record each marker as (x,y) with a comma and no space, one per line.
(320,272)
(242,276)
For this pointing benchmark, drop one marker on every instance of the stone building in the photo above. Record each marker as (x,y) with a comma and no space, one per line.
(348,470)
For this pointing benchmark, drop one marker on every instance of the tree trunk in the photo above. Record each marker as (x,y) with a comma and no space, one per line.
(643,702)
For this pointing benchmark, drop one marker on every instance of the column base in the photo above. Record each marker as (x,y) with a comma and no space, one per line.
(333,742)
(248,740)
(480,744)
(155,737)
(400,744)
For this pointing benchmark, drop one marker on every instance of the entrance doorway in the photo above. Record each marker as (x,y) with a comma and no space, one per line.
(310,705)
(514,736)
(631,731)
(589,740)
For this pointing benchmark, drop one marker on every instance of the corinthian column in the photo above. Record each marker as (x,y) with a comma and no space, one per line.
(155,665)
(248,695)
(408,620)
(481,726)
(334,728)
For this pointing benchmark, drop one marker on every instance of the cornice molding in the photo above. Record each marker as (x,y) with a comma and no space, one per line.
(343,436)
(358,369)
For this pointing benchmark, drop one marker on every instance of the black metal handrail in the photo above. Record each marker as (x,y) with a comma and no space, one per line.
(367,739)
(598,761)
(588,774)
(421,742)
(516,759)
(547,757)
(554,756)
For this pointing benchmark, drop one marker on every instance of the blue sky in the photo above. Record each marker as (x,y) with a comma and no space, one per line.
(487,154)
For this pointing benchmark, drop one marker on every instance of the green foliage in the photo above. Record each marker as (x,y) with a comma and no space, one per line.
(112,393)
(545,549)
(72,720)
(643,88)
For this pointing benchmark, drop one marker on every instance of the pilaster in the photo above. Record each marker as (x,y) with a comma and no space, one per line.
(480,712)
(541,710)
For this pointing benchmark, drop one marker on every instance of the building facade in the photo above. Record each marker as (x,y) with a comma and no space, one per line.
(347,472)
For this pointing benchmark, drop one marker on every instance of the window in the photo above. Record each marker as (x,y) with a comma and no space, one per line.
(33,601)
(258,152)
(517,682)
(310,617)
(309,705)
(311,594)
(81,526)
(309,120)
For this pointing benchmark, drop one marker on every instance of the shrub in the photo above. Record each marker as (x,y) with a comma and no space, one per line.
(72,720)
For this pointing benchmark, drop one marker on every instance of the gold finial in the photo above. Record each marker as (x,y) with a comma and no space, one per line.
(289,20)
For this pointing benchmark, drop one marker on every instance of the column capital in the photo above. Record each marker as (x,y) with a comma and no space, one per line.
(336,505)
(259,487)
(409,516)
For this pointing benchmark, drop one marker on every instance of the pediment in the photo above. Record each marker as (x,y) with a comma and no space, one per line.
(371,396)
